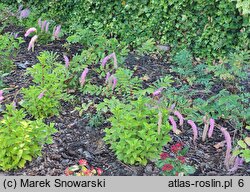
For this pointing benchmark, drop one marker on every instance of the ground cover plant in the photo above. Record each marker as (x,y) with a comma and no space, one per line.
(105,94)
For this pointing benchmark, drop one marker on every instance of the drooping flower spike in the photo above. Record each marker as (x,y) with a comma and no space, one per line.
(32,43)
(24,13)
(107,58)
(180,117)
(83,76)
(40,96)
(40,22)
(56,31)
(238,162)
(211,128)
(29,31)
(229,146)
(195,129)
(43,25)
(47,27)
(107,77)
(1,95)
(114,79)
(173,123)
(66,60)
(157,92)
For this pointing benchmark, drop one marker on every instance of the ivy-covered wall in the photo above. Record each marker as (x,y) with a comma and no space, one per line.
(210,28)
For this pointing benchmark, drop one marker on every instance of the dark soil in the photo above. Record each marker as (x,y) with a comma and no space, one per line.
(76,140)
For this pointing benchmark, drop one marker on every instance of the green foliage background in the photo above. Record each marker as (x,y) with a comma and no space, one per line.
(209,28)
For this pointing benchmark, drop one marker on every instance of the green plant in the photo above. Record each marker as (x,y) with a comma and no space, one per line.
(21,139)
(243,148)
(134,135)
(9,47)
(96,120)
(43,99)
(83,169)
(175,164)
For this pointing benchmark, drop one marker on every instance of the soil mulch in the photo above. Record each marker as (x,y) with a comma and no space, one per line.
(76,140)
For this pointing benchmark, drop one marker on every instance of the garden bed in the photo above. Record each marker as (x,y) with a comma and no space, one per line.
(76,139)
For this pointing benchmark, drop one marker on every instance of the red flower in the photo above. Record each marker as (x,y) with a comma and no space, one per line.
(99,171)
(177,147)
(83,162)
(167,167)
(164,156)
(181,159)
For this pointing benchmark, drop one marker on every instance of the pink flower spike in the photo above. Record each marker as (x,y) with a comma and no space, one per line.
(105,60)
(47,27)
(66,60)
(229,146)
(180,117)
(40,22)
(157,92)
(32,43)
(195,129)
(29,31)
(238,162)
(40,96)
(43,25)
(173,123)
(107,77)
(211,128)
(115,61)
(114,82)
(83,76)
(56,31)
(1,95)
(24,13)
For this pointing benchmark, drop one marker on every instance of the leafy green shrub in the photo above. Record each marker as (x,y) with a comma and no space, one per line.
(8,50)
(209,28)
(43,100)
(134,135)
(21,139)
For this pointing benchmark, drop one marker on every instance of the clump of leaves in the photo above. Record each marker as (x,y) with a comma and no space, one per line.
(43,100)
(134,135)
(175,163)
(243,148)
(8,49)
(21,139)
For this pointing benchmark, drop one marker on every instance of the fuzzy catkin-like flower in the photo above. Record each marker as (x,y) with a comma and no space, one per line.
(180,117)
(56,31)
(173,123)
(115,61)
(1,95)
(29,31)
(195,129)
(43,25)
(24,13)
(32,43)
(211,128)
(83,76)
(66,60)
(229,145)
(107,58)
(47,27)
(107,77)
(157,92)
(114,82)
(40,96)
(40,22)
(238,162)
